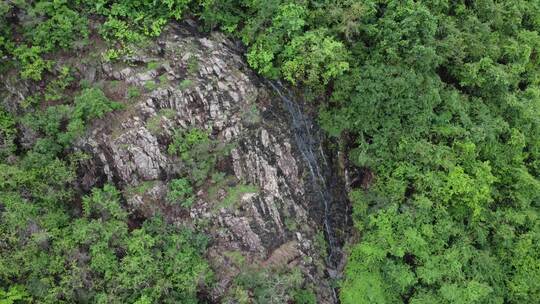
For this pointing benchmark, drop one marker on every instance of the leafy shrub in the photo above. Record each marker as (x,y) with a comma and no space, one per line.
(150,85)
(226,14)
(92,103)
(103,204)
(61,124)
(32,63)
(119,30)
(7,134)
(185,141)
(185,84)
(267,42)
(56,87)
(180,192)
(133,93)
(280,41)
(304,296)
(193,65)
(130,21)
(15,294)
(198,152)
(266,286)
(328,59)
(153,65)
(96,257)
(60,27)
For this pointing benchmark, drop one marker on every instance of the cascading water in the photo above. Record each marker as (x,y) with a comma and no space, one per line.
(312,152)
(309,143)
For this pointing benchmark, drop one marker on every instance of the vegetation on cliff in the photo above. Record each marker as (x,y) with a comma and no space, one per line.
(438,100)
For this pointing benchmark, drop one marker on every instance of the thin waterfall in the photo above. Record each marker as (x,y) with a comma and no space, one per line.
(310,146)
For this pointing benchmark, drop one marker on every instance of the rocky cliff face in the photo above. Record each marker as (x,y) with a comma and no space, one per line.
(261,206)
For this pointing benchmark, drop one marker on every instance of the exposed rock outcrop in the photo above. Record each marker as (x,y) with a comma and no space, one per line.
(190,80)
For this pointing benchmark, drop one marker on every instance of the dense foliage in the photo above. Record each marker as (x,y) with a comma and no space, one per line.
(96,257)
(439,100)
(444,108)
(53,251)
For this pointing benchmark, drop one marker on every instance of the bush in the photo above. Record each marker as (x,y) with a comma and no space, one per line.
(59,26)
(198,152)
(7,134)
(15,294)
(304,296)
(266,286)
(185,141)
(32,63)
(314,59)
(56,87)
(180,192)
(59,29)
(129,21)
(95,257)
(64,123)
(92,103)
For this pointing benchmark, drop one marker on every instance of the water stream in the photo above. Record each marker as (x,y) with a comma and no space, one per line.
(310,144)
